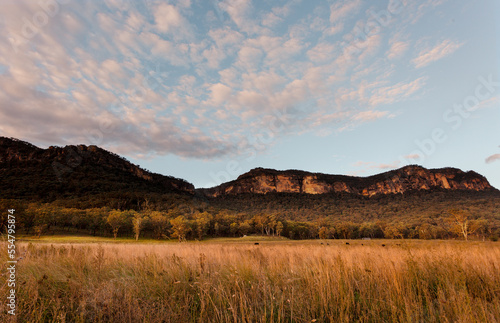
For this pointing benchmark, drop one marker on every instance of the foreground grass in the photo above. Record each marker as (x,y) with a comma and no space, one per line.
(271,282)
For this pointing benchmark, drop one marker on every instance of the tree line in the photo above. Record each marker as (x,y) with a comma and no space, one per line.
(190,223)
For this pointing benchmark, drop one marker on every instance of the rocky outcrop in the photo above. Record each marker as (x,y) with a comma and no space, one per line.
(409,178)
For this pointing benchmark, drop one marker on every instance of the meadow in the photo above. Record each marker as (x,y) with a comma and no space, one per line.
(236,280)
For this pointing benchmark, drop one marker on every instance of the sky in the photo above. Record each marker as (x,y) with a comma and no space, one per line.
(206,90)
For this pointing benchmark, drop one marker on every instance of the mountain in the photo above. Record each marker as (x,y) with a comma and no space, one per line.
(54,173)
(406,179)
(27,171)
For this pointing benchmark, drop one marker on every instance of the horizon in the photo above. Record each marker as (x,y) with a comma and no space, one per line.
(208,90)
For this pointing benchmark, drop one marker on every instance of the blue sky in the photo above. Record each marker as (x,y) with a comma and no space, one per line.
(206,90)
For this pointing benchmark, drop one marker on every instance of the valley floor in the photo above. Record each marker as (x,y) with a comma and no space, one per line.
(235,280)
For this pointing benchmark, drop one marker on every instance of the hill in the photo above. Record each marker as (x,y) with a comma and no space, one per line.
(33,173)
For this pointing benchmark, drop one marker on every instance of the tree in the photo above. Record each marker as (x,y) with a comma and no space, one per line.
(370,230)
(233,228)
(260,222)
(347,230)
(160,224)
(461,224)
(396,231)
(43,218)
(116,219)
(138,223)
(244,228)
(482,228)
(323,233)
(27,222)
(279,228)
(217,228)
(39,229)
(96,219)
(332,232)
(181,227)
(202,223)
(77,217)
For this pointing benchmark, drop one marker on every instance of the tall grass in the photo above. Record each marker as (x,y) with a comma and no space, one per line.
(274,282)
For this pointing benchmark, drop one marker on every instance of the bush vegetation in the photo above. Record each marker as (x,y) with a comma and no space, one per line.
(411,281)
(425,216)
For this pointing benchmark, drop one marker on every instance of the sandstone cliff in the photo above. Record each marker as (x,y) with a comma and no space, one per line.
(409,178)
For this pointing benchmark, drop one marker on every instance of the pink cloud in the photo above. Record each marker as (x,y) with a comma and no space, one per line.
(429,55)
(492,158)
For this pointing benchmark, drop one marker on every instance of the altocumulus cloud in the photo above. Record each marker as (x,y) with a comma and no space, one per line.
(190,78)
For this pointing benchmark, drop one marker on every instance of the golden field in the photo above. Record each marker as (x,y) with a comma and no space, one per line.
(276,281)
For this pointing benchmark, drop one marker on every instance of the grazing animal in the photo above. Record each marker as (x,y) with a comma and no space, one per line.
(256,243)
(383,245)
(347,243)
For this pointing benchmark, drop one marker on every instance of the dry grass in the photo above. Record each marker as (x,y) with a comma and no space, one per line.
(272,282)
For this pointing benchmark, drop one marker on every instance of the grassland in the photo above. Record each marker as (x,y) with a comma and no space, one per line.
(275,281)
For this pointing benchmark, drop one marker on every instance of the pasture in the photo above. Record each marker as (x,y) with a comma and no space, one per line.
(235,280)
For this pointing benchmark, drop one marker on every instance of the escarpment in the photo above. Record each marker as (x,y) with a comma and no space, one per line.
(409,178)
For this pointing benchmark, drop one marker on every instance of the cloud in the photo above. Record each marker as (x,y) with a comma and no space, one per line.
(270,20)
(225,37)
(339,11)
(492,158)
(355,48)
(155,77)
(419,9)
(251,99)
(361,163)
(413,156)
(102,91)
(373,94)
(494,101)
(369,115)
(268,82)
(322,52)
(167,18)
(397,92)
(240,12)
(429,55)
(220,93)
(397,49)
(392,165)
(249,58)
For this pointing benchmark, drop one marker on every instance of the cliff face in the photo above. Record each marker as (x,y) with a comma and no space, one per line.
(62,164)
(410,178)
